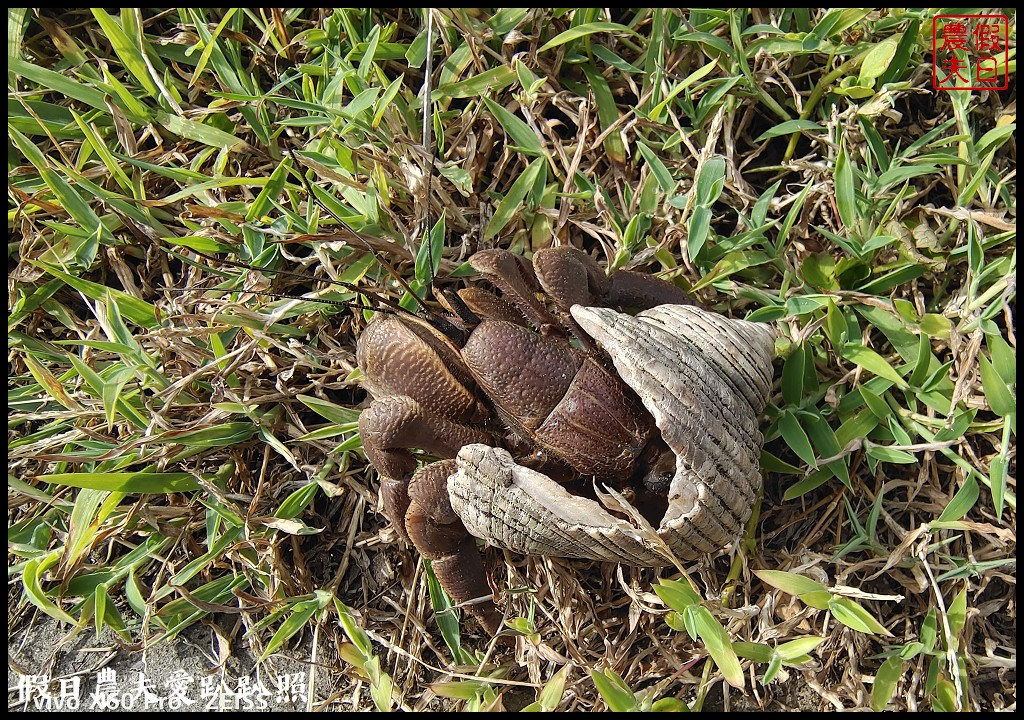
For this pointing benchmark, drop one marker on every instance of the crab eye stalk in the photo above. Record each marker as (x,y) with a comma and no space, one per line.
(446,327)
(458,307)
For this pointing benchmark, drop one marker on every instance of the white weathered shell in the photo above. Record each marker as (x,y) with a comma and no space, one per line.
(706,379)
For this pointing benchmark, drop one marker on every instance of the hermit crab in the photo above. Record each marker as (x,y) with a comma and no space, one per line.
(540,404)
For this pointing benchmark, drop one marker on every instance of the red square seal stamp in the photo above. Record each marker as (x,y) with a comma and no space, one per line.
(970,52)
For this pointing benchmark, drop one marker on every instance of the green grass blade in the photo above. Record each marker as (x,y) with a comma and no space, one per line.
(585,30)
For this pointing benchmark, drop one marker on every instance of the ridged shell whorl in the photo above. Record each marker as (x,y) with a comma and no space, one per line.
(706,379)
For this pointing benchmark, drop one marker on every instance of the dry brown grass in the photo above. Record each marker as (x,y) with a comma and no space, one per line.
(220,376)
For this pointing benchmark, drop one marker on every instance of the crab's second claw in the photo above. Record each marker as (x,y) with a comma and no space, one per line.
(439,535)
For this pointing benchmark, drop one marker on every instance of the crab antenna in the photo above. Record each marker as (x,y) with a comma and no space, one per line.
(428,147)
(435,320)
(285,296)
(397,308)
(381,260)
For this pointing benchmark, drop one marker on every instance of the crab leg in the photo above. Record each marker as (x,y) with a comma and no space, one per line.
(439,535)
(632,289)
(417,504)
(389,429)
(516,279)
(571,277)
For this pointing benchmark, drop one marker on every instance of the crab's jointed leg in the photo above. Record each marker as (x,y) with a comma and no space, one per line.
(439,535)
(390,429)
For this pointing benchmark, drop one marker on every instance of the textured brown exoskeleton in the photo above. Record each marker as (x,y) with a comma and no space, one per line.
(503,380)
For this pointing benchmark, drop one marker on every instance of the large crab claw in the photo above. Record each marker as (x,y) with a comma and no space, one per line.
(706,379)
